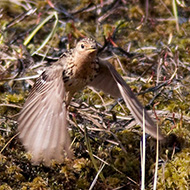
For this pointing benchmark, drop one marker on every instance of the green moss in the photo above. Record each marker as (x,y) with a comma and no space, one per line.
(5,187)
(175,173)
(14,98)
(37,183)
(82,184)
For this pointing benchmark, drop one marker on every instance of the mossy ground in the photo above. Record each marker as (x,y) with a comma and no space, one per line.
(151,52)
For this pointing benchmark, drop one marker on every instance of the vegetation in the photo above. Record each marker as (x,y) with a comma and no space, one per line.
(149,44)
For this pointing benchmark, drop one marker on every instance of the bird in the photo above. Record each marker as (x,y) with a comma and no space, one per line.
(42,122)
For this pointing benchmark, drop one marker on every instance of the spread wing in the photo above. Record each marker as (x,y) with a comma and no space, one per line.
(110,81)
(42,121)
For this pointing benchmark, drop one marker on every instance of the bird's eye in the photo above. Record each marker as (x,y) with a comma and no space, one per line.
(82,46)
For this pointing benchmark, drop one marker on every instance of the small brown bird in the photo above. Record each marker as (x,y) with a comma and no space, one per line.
(42,122)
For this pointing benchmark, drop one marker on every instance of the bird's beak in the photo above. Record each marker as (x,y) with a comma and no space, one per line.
(91,50)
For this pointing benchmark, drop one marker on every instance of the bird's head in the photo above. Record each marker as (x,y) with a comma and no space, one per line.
(87,48)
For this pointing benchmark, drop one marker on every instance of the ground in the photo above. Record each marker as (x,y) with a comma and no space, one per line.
(149,44)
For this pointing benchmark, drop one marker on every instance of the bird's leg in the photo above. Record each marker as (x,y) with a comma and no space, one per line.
(68,98)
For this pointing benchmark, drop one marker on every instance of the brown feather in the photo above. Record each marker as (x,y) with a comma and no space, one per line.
(42,122)
(110,81)
(104,81)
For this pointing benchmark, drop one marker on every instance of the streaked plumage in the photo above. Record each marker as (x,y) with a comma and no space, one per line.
(42,121)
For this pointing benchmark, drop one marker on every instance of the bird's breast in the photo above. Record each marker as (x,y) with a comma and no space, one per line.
(75,78)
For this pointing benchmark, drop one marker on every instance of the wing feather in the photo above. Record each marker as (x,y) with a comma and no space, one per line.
(104,81)
(42,121)
(110,81)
